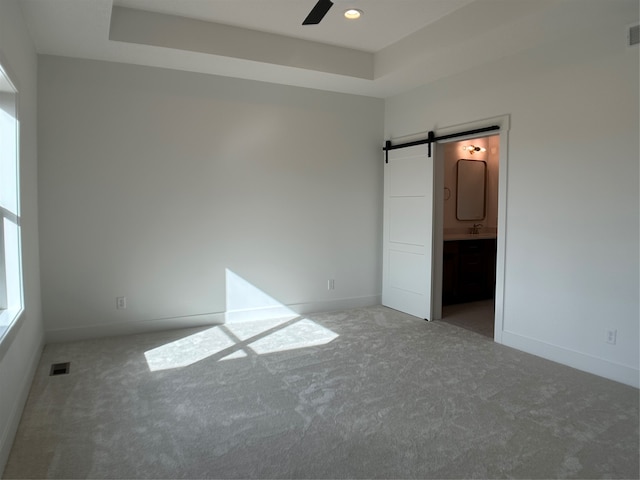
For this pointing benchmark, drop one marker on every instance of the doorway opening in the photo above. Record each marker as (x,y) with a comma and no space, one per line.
(470,221)
(413,217)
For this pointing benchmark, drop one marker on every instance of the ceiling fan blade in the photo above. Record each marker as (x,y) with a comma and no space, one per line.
(318,12)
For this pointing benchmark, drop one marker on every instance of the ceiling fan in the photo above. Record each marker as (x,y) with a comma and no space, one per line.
(318,12)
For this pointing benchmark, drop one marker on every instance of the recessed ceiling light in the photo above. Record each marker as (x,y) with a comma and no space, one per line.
(352,14)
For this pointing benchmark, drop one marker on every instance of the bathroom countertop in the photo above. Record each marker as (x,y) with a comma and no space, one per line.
(468,236)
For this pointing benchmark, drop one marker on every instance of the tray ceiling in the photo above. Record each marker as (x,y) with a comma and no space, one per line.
(397,44)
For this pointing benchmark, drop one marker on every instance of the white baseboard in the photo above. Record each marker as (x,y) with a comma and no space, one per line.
(9,433)
(114,329)
(580,361)
(334,305)
(85,332)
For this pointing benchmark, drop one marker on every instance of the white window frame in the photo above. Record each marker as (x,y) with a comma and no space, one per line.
(11,290)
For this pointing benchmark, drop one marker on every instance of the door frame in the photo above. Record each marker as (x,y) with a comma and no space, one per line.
(504,122)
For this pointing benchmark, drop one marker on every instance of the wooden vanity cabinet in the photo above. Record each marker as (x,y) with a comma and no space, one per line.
(469,270)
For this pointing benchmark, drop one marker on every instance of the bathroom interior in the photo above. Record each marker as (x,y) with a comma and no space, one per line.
(470,221)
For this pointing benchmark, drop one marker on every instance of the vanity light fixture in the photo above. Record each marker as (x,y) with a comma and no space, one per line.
(353,14)
(472,149)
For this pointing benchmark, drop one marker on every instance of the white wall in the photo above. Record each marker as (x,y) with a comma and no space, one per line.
(154,182)
(571,267)
(18,356)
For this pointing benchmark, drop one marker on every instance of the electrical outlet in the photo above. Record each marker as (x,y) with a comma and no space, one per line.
(121,303)
(611,336)
(331,285)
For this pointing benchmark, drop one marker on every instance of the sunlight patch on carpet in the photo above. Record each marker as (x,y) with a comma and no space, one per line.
(188,350)
(256,324)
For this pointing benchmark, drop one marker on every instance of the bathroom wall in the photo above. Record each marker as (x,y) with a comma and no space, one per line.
(452,153)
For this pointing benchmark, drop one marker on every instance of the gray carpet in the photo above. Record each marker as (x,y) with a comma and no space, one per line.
(379,394)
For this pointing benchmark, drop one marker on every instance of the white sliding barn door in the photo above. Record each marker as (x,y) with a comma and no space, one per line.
(408,231)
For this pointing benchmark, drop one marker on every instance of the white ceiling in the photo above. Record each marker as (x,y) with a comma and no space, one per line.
(384,21)
(397,44)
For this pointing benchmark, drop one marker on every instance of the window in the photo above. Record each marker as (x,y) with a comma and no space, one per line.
(10,259)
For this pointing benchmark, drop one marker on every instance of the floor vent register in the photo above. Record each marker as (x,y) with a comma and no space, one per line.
(59,369)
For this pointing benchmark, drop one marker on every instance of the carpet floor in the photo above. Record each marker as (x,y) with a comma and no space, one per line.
(364,393)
